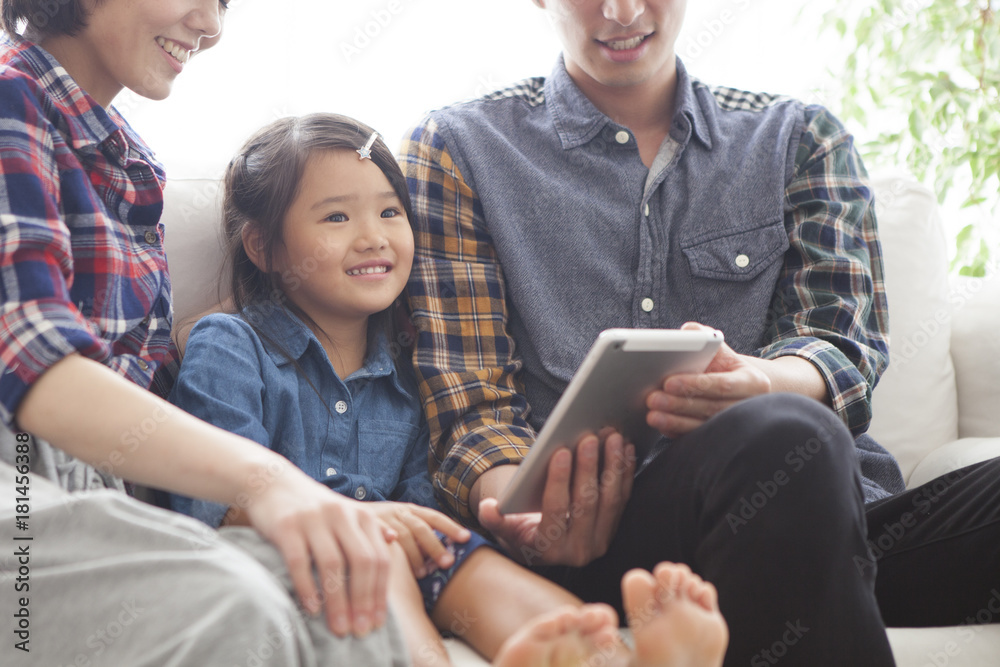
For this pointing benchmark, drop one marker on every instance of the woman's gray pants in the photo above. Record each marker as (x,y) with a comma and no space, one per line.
(107,580)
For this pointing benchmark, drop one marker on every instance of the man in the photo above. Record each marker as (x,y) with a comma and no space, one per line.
(620,192)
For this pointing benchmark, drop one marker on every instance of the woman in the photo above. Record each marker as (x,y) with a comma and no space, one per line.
(84,330)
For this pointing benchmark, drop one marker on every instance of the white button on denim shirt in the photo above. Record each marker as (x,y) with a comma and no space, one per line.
(239,380)
(674,262)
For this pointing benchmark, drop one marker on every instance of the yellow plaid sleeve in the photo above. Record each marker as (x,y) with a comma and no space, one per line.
(463,356)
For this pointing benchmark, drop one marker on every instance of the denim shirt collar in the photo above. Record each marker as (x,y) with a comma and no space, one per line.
(281,325)
(578,121)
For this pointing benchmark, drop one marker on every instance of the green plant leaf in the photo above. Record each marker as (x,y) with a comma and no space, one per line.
(923,78)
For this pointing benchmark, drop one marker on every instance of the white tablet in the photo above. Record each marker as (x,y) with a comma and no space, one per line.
(610,389)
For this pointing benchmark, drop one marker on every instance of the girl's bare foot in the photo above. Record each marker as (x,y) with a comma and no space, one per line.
(567,637)
(674,617)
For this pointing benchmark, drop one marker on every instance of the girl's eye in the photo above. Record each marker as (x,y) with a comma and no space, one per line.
(390,213)
(224,3)
(336,217)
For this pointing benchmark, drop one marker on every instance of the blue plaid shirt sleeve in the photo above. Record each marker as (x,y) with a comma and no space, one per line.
(82,265)
(829,305)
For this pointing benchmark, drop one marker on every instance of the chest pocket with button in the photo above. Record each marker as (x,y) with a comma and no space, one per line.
(733,279)
(383,446)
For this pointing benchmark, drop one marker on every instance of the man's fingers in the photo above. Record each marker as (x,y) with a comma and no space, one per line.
(703,385)
(611,498)
(586,484)
(688,406)
(671,425)
(628,477)
(556,497)
(515,532)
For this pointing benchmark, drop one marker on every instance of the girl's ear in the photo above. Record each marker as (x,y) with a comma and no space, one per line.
(253,245)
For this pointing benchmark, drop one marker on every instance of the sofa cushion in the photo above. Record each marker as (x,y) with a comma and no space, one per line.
(975,350)
(915,404)
(952,456)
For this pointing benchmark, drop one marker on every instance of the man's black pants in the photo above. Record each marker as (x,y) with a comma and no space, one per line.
(765,502)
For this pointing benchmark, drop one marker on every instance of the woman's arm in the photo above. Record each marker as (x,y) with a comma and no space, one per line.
(87,410)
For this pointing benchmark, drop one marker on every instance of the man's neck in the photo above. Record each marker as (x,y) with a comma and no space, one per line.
(646,108)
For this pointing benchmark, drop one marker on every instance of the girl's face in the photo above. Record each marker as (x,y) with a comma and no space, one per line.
(347,244)
(141,44)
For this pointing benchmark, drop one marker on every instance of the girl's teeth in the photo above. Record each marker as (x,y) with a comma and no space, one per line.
(367,270)
(176,50)
(624,44)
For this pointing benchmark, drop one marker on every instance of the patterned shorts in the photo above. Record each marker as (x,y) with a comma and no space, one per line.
(433,584)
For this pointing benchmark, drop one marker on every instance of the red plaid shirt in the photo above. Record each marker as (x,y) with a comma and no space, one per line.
(82,266)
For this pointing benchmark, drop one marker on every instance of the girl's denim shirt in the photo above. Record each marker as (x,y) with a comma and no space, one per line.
(363,436)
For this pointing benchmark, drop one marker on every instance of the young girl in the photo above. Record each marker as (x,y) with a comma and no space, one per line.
(311,366)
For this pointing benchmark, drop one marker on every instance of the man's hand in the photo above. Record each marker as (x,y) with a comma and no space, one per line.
(688,400)
(414,526)
(581,506)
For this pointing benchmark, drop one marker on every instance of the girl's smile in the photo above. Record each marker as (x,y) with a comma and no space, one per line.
(374,270)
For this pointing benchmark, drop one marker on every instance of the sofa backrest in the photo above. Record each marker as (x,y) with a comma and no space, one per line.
(915,402)
(975,350)
(192,214)
(915,405)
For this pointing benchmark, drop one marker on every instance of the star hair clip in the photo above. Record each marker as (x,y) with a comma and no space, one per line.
(366,151)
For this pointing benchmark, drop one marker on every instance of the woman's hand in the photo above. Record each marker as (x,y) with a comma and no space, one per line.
(415,525)
(314,526)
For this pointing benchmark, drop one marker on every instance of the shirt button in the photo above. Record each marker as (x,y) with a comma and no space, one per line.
(360,493)
(622,137)
(143,365)
(151,237)
(742,261)
(330,472)
(146,320)
(340,407)
(647,304)
(645,210)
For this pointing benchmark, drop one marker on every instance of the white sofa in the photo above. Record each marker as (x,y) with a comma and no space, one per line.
(937,408)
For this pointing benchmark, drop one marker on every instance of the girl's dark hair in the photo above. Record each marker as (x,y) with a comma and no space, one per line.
(43,17)
(262,182)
